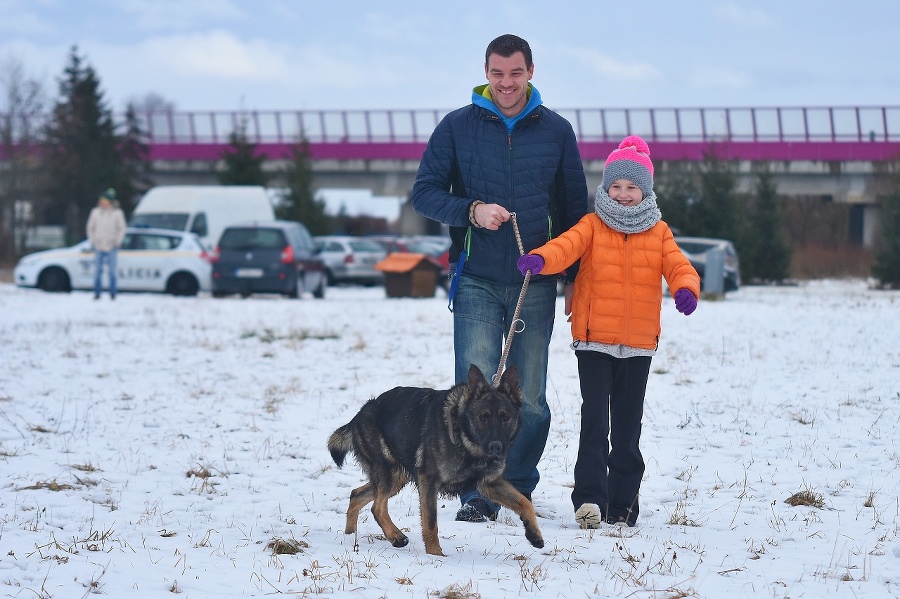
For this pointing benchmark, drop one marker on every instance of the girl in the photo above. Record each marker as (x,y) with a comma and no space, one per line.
(624,248)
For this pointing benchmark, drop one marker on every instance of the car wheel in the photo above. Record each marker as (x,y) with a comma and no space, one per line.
(182,283)
(219,294)
(294,292)
(54,279)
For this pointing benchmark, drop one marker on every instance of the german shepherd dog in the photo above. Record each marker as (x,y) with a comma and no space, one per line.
(444,441)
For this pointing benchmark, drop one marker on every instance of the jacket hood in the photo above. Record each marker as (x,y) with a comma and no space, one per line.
(481,96)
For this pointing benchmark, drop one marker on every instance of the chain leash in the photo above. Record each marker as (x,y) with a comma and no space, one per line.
(517,325)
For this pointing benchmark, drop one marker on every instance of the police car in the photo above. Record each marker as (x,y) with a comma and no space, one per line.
(149,260)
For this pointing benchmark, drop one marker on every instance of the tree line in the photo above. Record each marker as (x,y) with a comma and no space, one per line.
(60,156)
(56,158)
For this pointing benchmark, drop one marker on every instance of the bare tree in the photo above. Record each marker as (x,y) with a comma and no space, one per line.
(22,103)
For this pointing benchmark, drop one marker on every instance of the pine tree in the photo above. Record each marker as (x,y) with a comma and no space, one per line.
(135,154)
(887,261)
(765,255)
(715,214)
(243,165)
(82,155)
(300,203)
(675,194)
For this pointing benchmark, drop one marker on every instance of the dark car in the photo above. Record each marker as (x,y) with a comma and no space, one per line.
(268,257)
(696,249)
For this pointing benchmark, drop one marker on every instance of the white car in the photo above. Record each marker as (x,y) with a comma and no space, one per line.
(149,260)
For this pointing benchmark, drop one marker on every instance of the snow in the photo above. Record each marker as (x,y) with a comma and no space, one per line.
(157,444)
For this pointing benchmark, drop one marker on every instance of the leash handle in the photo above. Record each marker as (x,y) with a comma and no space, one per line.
(495,381)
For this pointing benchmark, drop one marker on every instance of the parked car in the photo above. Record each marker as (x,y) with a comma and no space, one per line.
(696,248)
(268,257)
(351,259)
(149,260)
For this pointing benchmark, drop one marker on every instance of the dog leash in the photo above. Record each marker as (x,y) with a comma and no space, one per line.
(517,325)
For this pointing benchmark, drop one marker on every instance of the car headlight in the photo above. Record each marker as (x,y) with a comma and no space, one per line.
(29,261)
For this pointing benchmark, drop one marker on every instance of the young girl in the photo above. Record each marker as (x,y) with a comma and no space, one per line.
(624,249)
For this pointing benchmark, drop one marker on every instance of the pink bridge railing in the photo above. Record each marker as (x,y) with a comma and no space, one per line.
(862,133)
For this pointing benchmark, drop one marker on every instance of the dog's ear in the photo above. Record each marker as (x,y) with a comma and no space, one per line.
(509,384)
(476,380)
(453,407)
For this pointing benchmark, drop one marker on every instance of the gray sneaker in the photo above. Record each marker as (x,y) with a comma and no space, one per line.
(588,515)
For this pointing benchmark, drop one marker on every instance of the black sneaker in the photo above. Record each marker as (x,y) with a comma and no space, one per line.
(475,510)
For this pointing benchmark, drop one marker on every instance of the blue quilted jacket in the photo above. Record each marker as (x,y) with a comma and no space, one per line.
(534,170)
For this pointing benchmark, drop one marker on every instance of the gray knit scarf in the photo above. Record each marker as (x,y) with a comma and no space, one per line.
(627,219)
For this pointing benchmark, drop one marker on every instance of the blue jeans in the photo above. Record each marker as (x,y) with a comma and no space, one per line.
(110,259)
(482,313)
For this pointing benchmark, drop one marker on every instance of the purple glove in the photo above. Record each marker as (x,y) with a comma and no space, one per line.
(531,262)
(685,302)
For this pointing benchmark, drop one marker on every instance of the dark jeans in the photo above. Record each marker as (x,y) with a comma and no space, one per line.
(609,467)
(482,313)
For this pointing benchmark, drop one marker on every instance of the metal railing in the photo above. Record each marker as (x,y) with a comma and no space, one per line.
(776,124)
(867,133)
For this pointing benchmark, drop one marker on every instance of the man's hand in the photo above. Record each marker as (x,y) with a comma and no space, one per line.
(491,216)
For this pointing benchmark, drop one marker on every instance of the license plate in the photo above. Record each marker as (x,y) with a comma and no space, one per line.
(248,273)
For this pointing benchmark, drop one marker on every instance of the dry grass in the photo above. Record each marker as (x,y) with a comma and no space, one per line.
(806,497)
(280,546)
(50,485)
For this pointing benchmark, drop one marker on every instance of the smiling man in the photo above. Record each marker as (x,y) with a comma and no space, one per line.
(504,153)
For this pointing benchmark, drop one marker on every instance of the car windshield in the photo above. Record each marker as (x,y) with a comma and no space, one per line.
(695,247)
(366,245)
(252,238)
(163,220)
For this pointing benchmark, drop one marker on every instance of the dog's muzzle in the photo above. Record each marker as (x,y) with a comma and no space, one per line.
(495,448)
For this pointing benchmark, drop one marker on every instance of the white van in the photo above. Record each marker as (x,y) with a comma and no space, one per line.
(202,209)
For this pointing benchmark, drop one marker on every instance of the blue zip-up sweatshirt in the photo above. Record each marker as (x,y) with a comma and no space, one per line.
(532,168)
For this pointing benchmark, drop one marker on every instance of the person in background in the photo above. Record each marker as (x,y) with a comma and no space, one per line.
(105,231)
(503,153)
(624,248)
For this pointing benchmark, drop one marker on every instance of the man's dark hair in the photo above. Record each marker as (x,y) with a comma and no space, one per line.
(507,45)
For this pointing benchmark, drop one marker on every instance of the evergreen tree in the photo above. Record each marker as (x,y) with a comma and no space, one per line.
(676,192)
(765,255)
(715,214)
(82,154)
(887,261)
(135,154)
(243,165)
(300,203)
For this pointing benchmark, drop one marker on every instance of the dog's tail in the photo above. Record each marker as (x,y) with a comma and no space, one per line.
(340,443)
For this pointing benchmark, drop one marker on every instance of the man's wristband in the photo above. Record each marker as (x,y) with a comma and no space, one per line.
(472,213)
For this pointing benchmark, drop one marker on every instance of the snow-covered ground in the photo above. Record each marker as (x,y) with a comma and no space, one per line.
(158,444)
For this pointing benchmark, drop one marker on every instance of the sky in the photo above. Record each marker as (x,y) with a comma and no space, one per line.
(357,54)
(157,445)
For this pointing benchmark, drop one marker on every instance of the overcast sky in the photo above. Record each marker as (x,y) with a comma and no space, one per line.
(309,54)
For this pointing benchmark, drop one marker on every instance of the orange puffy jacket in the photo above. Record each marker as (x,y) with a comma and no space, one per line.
(618,290)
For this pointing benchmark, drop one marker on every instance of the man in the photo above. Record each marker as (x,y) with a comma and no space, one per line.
(105,231)
(503,153)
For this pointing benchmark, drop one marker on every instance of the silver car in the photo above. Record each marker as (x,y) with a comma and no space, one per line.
(350,259)
(695,248)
